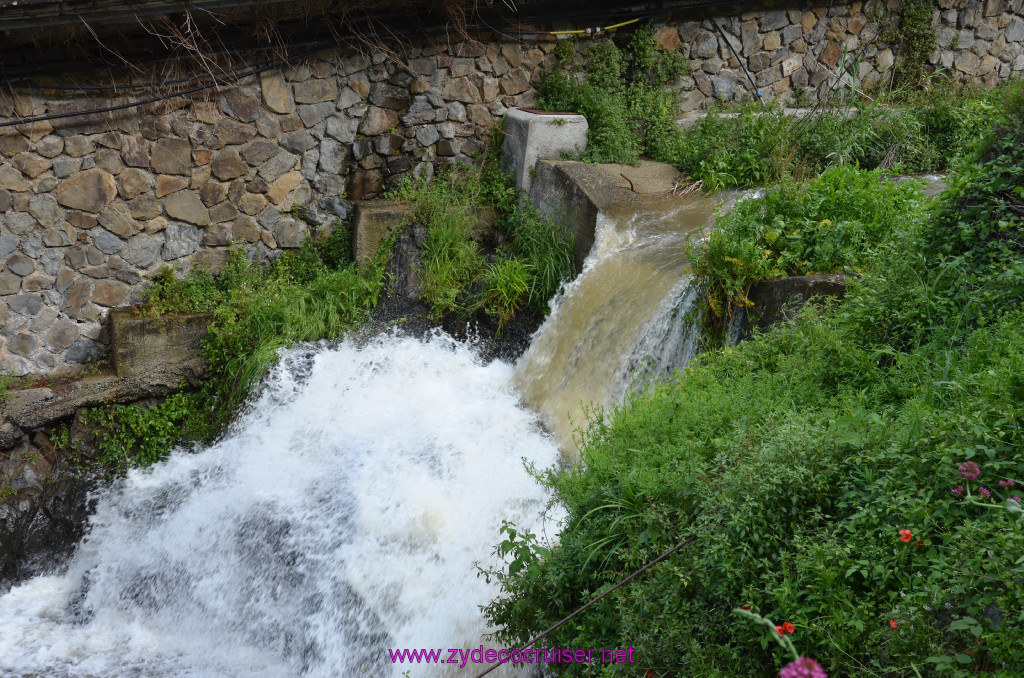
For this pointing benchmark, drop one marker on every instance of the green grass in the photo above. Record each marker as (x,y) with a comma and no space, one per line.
(456,276)
(796,459)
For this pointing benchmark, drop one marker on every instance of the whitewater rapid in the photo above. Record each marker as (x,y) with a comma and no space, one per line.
(344,514)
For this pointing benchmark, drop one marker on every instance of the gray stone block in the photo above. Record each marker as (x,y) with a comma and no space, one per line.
(530,137)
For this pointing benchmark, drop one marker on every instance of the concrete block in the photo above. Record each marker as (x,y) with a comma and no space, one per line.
(776,301)
(531,136)
(157,349)
(375,220)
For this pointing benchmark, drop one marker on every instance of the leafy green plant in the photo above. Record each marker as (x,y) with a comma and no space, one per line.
(622,95)
(833,224)
(916,39)
(139,434)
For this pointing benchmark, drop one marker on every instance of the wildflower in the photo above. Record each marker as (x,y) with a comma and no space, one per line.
(1016,498)
(918,543)
(957,491)
(778,630)
(1006,484)
(906,536)
(892,623)
(969,470)
(983,491)
(804,667)
(745,607)
(788,628)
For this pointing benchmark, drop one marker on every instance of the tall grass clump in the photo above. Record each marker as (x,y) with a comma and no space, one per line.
(855,473)
(457,277)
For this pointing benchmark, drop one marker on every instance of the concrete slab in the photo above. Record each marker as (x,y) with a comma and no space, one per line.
(373,222)
(164,349)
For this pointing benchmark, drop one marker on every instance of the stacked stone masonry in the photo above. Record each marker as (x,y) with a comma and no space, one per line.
(92,206)
(795,48)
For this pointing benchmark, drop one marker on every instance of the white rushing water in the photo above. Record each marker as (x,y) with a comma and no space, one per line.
(342,516)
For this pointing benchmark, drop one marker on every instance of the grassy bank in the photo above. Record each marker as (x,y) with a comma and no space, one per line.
(824,470)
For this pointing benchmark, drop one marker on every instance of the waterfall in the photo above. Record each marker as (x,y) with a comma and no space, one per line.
(623,321)
(342,515)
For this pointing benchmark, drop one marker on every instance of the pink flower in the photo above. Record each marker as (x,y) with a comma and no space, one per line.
(983,491)
(1016,498)
(1006,484)
(957,491)
(804,667)
(969,470)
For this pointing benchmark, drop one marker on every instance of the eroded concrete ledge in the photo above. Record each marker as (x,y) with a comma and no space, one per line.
(375,220)
(778,300)
(572,193)
(151,357)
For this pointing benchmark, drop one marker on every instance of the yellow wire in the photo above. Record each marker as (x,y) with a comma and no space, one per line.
(606,28)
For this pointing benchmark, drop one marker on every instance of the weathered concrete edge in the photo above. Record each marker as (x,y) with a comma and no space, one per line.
(28,409)
(776,301)
(374,220)
(572,194)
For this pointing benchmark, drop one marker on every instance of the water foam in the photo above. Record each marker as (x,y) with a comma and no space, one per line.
(341,517)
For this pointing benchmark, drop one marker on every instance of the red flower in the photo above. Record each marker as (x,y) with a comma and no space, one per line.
(918,543)
(906,536)
(744,607)
(892,623)
(788,628)
(778,630)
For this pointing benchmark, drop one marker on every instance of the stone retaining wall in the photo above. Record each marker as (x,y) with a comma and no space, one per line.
(801,46)
(91,206)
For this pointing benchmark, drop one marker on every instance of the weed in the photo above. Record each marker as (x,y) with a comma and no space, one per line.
(916,38)
(506,283)
(456,277)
